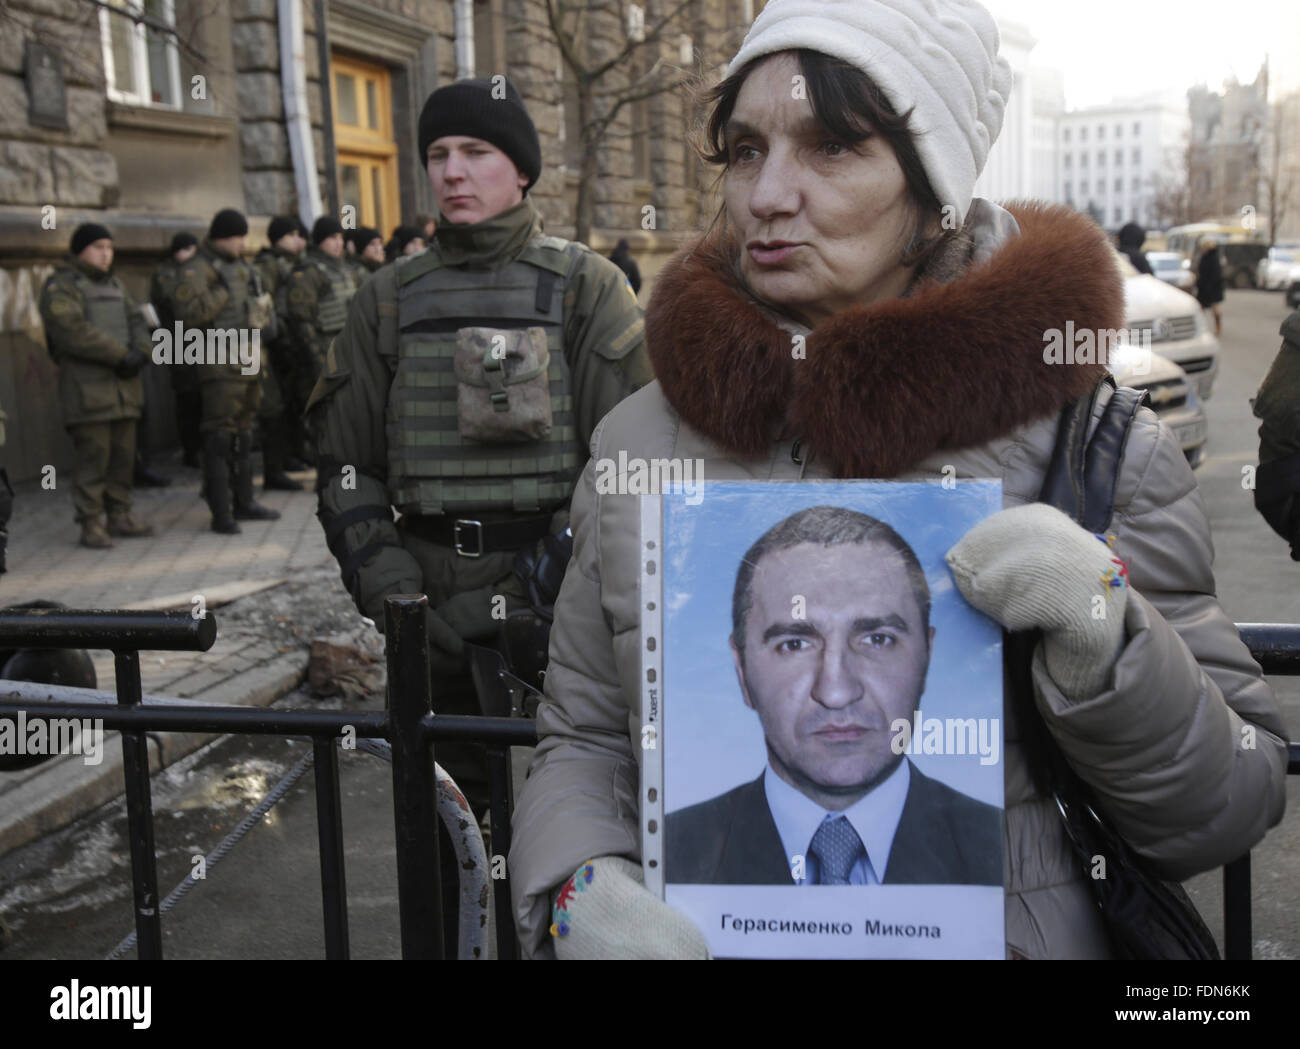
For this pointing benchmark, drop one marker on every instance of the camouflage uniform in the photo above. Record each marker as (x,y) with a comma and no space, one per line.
(1277,484)
(279,410)
(215,293)
(90,326)
(319,291)
(385,418)
(184,378)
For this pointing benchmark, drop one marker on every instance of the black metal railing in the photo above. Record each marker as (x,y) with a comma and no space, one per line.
(413,730)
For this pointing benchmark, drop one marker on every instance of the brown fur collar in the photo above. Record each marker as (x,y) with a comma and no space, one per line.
(950,366)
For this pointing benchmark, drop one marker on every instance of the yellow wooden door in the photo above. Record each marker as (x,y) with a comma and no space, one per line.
(366,155)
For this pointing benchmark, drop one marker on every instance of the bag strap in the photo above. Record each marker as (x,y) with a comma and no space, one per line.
(1081,480)
(1083,473)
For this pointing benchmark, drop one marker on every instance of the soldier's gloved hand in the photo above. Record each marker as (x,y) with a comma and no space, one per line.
(129,366)
(605,912)
(469,613)
(445,644)
(1032,566)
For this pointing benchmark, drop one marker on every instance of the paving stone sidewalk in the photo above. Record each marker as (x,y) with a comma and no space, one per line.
(247,665)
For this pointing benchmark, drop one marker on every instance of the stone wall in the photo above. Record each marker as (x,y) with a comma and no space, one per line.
(40,166)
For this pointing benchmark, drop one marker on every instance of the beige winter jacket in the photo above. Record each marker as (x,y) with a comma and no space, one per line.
(1185,748)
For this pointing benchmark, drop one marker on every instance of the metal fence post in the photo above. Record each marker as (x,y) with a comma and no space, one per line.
(415,813)
(139,814)
(1237,934)
(329,837)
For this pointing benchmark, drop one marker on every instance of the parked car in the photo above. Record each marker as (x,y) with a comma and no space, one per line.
(1279,268)
(1173,395)
(1175,322)
(1172,268)
(1241,261)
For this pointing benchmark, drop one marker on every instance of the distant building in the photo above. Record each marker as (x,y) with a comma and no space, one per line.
(1112,157)
(1225,163)
(1008,174)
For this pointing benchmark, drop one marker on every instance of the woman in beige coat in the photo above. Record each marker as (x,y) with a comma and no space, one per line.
(857,314)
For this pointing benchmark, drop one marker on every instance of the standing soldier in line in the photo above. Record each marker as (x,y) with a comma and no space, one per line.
(408,412)
(185,378)
(406,240)
(100,341)
(368,253)
(320,288)
(217,291)
(275,263)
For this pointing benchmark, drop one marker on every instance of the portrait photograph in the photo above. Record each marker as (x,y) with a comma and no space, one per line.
(827,737)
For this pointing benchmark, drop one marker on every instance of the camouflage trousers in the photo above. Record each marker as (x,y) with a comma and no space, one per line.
(105,461)
(229,406)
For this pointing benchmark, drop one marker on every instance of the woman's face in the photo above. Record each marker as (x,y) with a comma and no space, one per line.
(821,223)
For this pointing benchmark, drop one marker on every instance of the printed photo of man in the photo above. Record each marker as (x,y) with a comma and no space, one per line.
(831,640)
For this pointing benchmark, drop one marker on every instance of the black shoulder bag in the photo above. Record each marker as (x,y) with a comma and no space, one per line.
(1145,916)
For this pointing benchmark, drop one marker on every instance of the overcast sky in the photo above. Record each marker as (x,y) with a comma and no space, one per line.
(1109,48)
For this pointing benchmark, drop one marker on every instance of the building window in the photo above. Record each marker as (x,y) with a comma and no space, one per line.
(1083,134)
(1119,158)
(1069,190)
(1101,132)
(1101,187)
(1065,135)
(1083,160)
(1119,131)
(1119,185)
(141,62)
(1137,128)
(1137,155)
(1119,215)
(1101,158)
(366,153)
(1066,161)
(1137,185)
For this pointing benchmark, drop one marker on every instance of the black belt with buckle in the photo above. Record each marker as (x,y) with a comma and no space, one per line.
(471,537)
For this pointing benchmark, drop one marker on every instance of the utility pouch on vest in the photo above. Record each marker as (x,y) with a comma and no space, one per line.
(261,315)
(503,391)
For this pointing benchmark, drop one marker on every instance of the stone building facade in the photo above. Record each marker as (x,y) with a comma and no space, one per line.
(150,115)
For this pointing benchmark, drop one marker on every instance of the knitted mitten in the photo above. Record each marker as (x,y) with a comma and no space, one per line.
(1032,566)
(605,912)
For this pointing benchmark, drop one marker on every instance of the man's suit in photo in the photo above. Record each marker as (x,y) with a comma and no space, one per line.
(944,837)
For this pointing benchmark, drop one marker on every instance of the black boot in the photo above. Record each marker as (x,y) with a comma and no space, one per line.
(144,477)
(274,442)
(216,480)
(245,507)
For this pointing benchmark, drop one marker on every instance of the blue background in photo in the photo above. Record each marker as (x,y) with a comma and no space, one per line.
(712,742)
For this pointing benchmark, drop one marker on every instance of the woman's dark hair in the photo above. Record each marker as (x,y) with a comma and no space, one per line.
(851,107)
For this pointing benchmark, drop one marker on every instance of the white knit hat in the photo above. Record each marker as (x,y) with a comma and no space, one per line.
(938,58)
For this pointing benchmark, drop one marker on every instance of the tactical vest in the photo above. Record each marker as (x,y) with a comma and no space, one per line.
(432,469)
(105,306)
(332,311)
(235,274)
